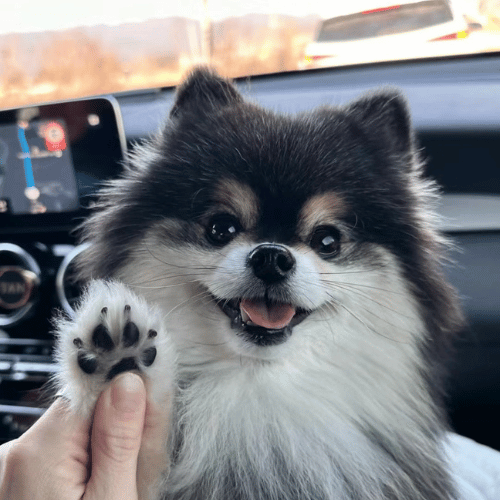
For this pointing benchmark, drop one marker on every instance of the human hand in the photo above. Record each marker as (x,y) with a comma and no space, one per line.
(56,458)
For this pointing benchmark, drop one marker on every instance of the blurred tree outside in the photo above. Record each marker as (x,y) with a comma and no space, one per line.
(73,63)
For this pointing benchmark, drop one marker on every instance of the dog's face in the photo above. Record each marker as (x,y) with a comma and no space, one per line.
(254,230)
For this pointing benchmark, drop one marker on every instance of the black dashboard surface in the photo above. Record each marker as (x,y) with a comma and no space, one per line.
(455,104)
(450,95)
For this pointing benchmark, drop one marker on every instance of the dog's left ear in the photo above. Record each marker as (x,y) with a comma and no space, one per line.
(204,91)
(385,116)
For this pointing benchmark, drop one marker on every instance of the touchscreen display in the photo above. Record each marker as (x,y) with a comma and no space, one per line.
(36,168)
(54,158)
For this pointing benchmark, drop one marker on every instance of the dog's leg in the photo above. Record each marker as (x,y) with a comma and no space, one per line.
(115,331)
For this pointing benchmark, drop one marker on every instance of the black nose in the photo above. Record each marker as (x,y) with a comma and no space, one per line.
(271,262)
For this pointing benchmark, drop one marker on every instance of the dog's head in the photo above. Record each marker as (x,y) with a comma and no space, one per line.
(251,228)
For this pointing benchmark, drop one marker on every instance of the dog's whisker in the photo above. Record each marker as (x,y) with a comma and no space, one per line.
(368,327)
(202,294)
(167,278)
(346,287)
(208,344)
(163,287)
(198,275)
(361,271)
(355,285)
(171,264)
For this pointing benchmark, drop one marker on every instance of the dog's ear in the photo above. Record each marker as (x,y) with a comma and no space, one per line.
(204,91)
(385,116)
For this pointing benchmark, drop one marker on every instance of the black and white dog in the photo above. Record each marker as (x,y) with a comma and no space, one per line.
(279,277)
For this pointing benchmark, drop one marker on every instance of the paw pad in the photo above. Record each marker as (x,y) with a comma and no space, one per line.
(102,355)
(102,339)
(87,363)
(148,356)
(125,365)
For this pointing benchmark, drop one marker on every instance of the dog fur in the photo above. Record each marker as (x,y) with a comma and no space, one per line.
(346,404)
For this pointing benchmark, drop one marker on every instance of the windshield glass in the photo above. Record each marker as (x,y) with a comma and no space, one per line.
(385,21)
(65,50)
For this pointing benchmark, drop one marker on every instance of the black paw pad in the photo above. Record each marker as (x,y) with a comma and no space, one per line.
(87,363)
(130,334)
(99,360)
(125,365)
(78,342)
(101,338)
(148,356)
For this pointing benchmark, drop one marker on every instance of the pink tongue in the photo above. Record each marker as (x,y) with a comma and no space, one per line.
(274,316)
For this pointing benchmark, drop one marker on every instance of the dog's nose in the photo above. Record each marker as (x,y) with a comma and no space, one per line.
(271,263)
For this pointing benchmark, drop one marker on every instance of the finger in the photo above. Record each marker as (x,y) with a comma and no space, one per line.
(66,435)
(116,439)
(153,460)
(52,455)
(59,424)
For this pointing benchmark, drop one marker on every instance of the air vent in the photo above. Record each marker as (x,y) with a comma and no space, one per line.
(67,286)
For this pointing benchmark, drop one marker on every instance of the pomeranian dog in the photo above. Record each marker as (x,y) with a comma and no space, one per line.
(279,278)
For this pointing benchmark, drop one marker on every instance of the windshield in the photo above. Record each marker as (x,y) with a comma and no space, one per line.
(385,21)
(66,50)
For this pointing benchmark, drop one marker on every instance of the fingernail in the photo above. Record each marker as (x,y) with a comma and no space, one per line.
(127,393)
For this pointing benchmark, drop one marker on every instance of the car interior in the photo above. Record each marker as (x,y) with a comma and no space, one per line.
(455,104)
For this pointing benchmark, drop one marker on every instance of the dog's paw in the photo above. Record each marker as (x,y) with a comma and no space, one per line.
(134,349)
(113,331)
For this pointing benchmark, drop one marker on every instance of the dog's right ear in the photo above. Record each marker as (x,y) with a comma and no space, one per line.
(204,91)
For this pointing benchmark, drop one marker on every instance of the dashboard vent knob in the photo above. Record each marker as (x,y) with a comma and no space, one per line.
(19,281)
(16,286)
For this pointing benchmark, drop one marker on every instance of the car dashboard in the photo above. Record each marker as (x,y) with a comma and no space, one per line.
(455,105)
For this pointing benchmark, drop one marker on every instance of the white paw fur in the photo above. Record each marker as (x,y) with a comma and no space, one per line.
(111,305)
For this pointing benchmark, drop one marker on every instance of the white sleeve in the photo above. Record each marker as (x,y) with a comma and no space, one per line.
(475,468)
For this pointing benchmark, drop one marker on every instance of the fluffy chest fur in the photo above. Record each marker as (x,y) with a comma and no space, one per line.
(321,417)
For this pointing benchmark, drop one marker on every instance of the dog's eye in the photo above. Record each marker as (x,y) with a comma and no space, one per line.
(326,241)
(222,229)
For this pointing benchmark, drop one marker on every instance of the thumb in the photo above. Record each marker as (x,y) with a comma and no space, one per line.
(116,440)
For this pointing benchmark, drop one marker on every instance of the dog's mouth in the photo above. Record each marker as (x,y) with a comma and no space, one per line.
(261,321)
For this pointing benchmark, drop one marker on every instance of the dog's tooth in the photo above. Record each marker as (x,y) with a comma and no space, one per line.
(244,316)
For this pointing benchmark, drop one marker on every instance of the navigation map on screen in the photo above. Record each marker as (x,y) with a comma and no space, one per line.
(36,168)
